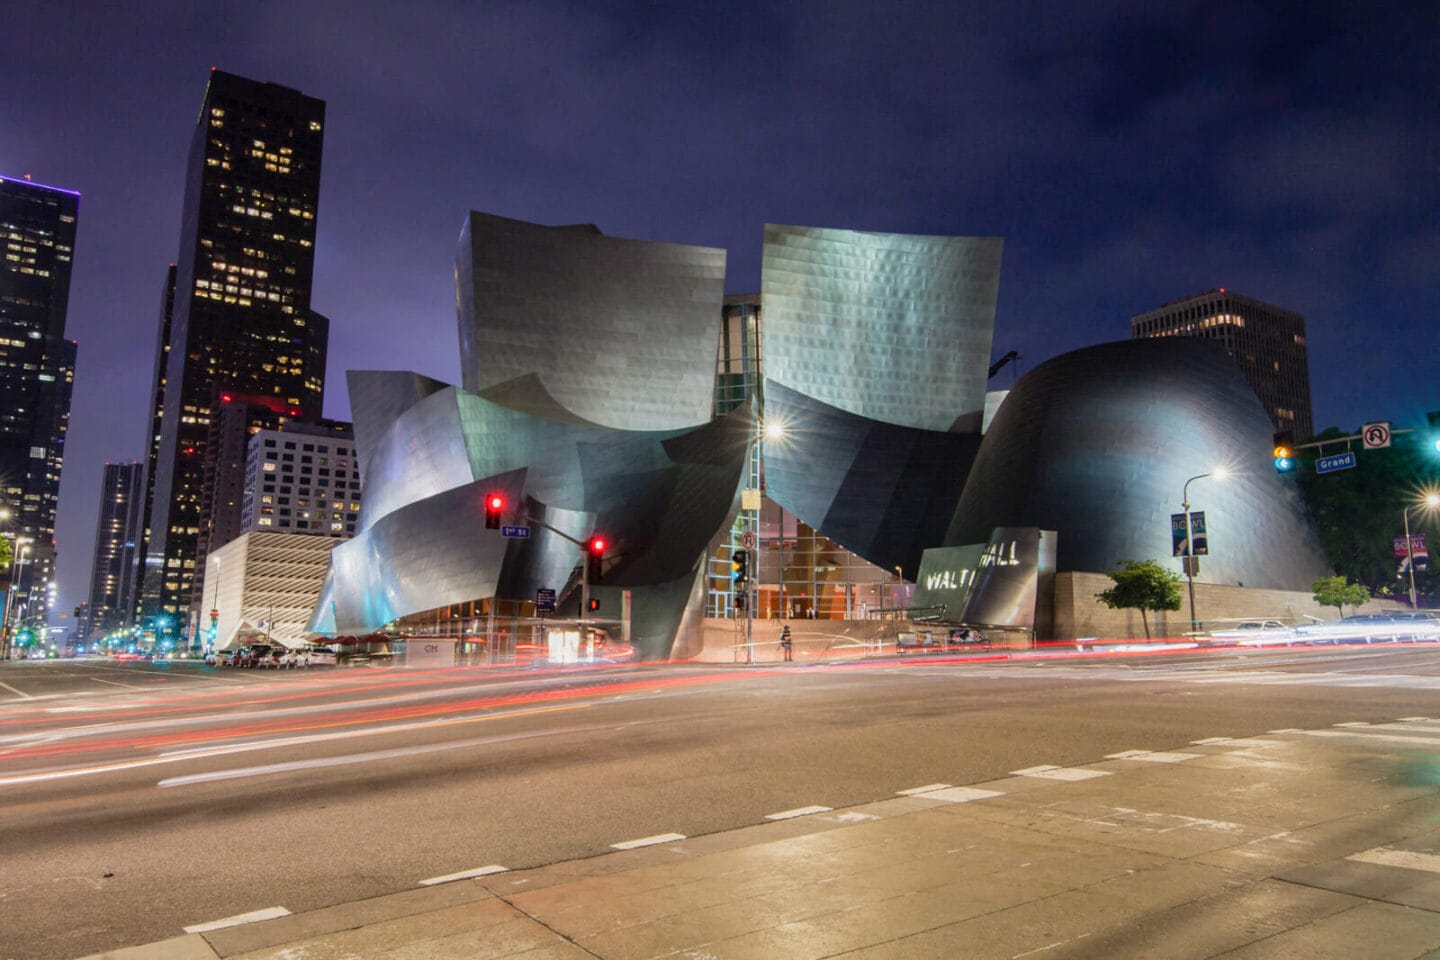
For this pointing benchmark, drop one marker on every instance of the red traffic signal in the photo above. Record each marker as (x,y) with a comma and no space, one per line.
(595,551)
(594,604)
(494,507)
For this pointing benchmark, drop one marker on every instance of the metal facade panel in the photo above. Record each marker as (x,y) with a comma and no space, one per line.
(890,327)
(619,332)
(1097,444)
(884,492)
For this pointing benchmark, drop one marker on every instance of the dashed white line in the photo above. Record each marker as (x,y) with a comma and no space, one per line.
(465,875)
(797,812)
(254,916)
(1209,740)
(648,841)
(1352,723)
(1153,756)
(962,794)
(916,791)
(1060,773)
(1386,857)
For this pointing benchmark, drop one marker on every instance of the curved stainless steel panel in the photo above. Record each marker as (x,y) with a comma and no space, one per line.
(1099,443)
(618,332)
(890,327)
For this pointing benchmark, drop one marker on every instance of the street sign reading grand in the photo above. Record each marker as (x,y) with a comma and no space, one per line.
(1341,461)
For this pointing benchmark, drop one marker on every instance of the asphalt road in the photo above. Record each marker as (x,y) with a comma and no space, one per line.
(137,799)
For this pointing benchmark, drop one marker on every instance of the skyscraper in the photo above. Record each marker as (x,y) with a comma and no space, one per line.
(1266,342)
(116,567)
(37,366)
(241,319)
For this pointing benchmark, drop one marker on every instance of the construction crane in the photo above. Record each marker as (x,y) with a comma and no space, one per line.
(998,364)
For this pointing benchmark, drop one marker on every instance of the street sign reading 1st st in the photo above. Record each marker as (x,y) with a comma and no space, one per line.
(515,533)
(1341,461)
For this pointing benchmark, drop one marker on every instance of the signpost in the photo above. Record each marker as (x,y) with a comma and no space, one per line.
(1341,461)
(545,600)
(515,533)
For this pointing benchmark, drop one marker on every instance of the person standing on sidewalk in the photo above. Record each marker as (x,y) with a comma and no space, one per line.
(785,642)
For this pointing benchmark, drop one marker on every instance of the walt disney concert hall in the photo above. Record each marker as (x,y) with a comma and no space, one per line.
(588,403)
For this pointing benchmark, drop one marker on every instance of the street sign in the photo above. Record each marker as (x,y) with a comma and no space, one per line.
(1376,435)
(515,533)
(545,600)
(1341,461)
(747,540)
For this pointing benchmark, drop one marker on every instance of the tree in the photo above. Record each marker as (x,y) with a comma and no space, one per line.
(1337,591)
(1142,585)
(7,551)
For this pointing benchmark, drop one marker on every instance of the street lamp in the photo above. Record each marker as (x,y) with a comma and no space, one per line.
(1188,560)
(1431,501)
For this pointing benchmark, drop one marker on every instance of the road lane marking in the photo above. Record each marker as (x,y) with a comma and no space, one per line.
(648,841)
(1153,756)
(1352,723)
(797,812)
(1386,857)
(916,791)
(465,875)
(1060,773)
(18,693)
(1366,735)
(962,794)
(1412,719)
(254,916)
(1210,740)
(117,683)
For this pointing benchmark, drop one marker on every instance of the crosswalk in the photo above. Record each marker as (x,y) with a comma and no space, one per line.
(1218,675)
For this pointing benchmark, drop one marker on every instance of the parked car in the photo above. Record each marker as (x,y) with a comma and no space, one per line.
(318,656)
(1251,632)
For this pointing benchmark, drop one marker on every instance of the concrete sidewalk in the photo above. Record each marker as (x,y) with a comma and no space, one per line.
(1297,844)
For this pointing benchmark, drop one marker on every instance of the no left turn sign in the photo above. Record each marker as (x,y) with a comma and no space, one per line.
(1375,435)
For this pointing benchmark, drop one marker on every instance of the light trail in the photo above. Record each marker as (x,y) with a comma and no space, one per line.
(355,719)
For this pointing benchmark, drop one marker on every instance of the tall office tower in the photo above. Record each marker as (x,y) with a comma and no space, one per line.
(37,368)
(303,479)
(148,575)
(116,568)
(1266,342)
(241,319)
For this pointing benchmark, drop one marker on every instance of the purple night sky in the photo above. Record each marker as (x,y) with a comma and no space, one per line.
(1128,153)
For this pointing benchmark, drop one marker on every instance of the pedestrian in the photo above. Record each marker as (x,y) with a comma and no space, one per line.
(785,642)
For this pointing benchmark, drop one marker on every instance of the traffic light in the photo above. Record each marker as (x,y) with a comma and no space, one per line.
(594,604)
(594,553)
(494,507)
(740,567)
(1284,452)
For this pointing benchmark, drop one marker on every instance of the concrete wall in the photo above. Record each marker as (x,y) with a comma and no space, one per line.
(1079,614)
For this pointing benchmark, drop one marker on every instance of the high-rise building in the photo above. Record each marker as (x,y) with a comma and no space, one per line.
(1266,342)
(303,479)
(37,367)
(152,442)
(114,574)
(241,318)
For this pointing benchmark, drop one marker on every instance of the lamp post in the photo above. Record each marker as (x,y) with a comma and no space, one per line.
(1431,501)
(1188,559)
